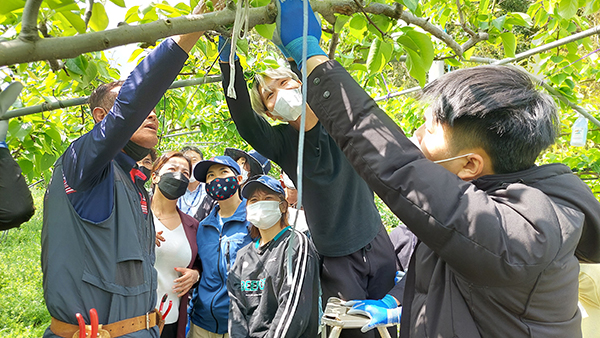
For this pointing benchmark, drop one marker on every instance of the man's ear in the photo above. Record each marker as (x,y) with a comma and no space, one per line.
(99,113)
(475,167)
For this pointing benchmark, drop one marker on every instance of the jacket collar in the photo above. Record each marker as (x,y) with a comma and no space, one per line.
(529,176)
(239,215)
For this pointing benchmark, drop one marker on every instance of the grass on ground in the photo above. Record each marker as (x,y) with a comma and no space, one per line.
(23,311)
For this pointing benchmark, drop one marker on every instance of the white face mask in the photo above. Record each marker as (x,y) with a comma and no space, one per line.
(452,158)
(288,104)
(192,177)
(244,174)
(263,214)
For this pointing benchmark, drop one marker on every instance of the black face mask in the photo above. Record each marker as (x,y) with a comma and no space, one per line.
(173,185)
(135,151)
(145,171)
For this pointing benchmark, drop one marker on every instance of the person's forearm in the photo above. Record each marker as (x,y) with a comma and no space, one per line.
(253,128)
(143,89)
(187,41)
(315,61)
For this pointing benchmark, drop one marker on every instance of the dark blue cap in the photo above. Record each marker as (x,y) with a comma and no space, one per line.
(264,180)
(203,166)
(259,165)
(264,162)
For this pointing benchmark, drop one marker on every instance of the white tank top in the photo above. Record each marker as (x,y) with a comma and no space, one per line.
(175,251)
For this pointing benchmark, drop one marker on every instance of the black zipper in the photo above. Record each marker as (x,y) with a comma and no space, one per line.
(212,302)
(227,256)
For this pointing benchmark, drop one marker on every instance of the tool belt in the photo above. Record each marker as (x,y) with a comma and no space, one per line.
(116,329)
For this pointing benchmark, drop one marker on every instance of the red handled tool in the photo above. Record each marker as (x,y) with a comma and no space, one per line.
(81,323)
(162,302)
(93,324)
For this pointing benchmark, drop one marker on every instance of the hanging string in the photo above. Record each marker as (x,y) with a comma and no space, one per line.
(241,20)
(300,139)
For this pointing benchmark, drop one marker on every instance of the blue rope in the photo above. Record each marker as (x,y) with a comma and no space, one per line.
(300,138)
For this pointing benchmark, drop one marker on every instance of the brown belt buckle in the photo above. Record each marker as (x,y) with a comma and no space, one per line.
(148,321)
(88,331)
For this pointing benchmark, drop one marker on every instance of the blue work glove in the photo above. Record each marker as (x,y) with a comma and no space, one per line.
(224,49)
(399,276)
(288,33)
(379,316)
(387,302)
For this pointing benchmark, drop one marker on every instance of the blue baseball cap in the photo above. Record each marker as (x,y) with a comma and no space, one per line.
(264,180)
(202,167)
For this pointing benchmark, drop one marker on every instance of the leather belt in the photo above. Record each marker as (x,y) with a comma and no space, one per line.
(116,329)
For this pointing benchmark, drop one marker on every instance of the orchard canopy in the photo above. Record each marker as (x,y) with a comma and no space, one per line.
(56,49)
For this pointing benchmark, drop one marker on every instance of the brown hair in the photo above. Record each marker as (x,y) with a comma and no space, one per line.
(283,222)
(164,158)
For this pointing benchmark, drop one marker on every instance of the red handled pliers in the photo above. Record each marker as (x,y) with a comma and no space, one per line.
(162,302)
(93,324)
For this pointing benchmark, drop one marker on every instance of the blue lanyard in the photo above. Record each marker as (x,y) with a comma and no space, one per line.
(193,201)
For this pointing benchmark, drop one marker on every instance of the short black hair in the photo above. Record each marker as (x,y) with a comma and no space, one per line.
(194,149)
(498,109)
(103,97)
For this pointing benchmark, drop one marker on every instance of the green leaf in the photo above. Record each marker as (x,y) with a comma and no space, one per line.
(443,16)
(99,20)
(382,22)
(499,22)
(592,7)
(132,15)
(22,131)
(54,134)
(7,6)
(567,8)
(259,3)
(73,20)
(419,53)
(242,45)
(358,67)
(77,65)
(266,31)
(358,25)
(136,53)
(510,44)
(58,5)
(379,54)
(374,60)
(415,67)
(25,164)
(411,4)
(483,6)
(340,21)
(517,19)
(119,3)
(168,9)
(453,62)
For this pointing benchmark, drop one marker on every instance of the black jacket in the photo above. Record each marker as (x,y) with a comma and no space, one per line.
(16,204)
(264,303)
(497,256)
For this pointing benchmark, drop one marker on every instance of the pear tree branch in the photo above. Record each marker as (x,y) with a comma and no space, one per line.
(29,30)
(30,48)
